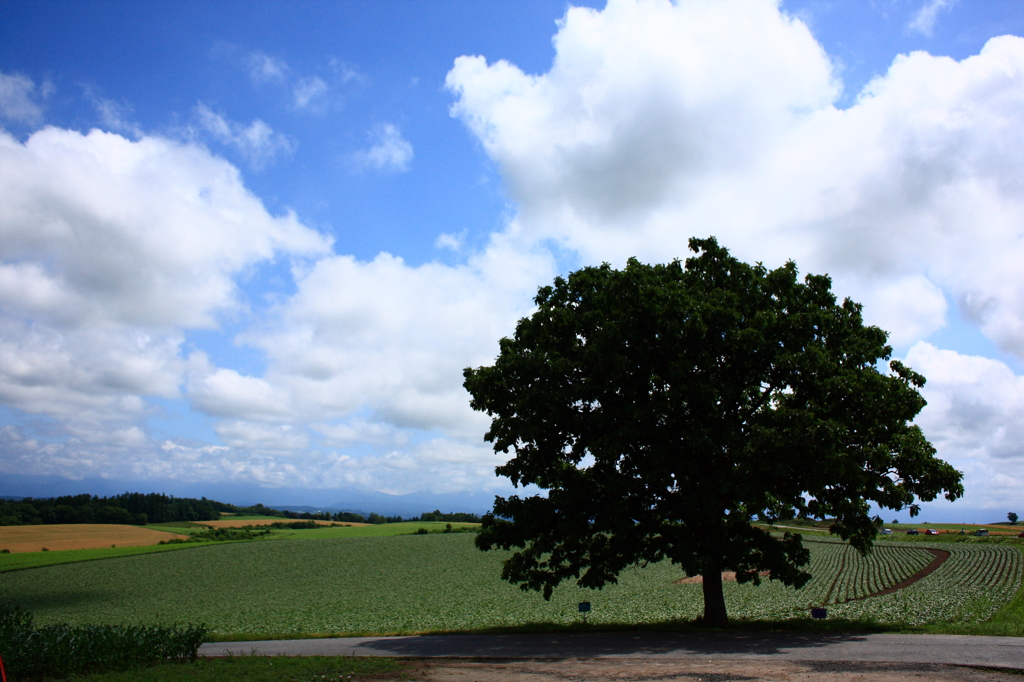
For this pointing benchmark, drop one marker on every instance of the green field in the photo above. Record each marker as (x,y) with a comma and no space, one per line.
(415,583)
(22,560)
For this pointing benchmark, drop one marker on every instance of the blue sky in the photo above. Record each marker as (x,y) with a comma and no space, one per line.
(246,248)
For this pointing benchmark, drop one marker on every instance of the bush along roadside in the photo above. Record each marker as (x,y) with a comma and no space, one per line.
(219,535)
(59,650)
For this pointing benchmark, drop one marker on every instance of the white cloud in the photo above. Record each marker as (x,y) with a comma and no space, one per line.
(20,99)
(391,339)
(191,454)
(264,68)
(924,21)
(257,142)
(283,439)
(109,250)
(975,419)
(438,465)
(447,240)
(307,92)
(116,116)
(390,151)
(357,432)
(226,393)
(658,122)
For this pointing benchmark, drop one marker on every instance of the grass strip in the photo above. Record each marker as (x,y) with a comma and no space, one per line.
(23,560)
(263,669)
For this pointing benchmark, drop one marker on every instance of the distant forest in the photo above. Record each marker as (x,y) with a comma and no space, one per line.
(138,509)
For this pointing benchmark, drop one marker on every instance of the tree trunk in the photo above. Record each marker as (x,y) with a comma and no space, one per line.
(714,600)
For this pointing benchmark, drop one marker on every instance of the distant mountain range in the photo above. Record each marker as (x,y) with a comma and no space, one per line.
(413,504)
(294,499)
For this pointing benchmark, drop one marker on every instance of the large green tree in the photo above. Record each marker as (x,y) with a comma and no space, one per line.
(664,408)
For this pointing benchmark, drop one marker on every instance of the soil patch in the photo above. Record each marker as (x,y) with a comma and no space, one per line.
(727,576)
(78,536)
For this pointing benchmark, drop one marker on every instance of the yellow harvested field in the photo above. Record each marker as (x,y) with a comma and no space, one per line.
(78,536)
(238,523)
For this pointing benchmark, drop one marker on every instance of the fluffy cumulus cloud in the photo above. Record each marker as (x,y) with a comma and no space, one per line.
(661,121)
(656,122)
(109,250)
(975,419)
(391,339)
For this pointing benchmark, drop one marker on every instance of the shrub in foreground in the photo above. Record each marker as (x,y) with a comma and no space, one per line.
(61,650)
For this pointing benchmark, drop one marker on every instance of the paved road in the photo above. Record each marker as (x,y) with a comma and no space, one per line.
(996,652)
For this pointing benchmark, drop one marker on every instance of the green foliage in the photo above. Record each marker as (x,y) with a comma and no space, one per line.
(407,583)
(59,650)
(226,535)
(663,408)
(1012,517)
(263,669)
(457,517)
(350,517)
(129,509)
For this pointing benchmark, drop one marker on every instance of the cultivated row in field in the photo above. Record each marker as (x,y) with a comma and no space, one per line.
(441,582)
(859,577)
(971,586)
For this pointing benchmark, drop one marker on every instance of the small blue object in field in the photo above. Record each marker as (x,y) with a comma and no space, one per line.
(819,613)
(584,606)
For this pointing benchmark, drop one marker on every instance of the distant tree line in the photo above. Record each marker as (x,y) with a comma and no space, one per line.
(130,508)
(351,517)
(139,509)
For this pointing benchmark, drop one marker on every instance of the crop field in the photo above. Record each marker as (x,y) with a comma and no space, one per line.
(23,560)
(77,536)
(971,586)
(367,531)
(238,523)
(414,583)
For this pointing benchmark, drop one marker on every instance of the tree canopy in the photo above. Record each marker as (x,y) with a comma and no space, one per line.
(665,408)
